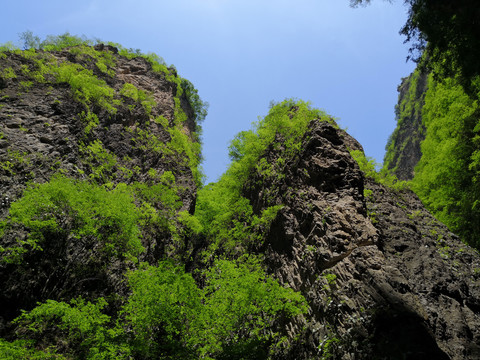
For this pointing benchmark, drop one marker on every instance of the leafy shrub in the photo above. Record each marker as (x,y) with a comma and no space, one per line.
(85,331)
(164,302)
(86,87)
(60,42)
(369,168)
(101,162)
(76,211)
(173,318)
(23,349)
(8,73)
(140,96)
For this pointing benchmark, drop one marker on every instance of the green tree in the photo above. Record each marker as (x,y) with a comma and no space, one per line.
(30,41)
(448,32)
(446,177)
(231,317)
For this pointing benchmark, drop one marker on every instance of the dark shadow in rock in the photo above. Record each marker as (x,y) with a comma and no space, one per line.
(403,336)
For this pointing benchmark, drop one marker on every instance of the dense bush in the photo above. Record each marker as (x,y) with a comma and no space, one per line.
(167,316)
(75,211)
(383,176)
(447,175)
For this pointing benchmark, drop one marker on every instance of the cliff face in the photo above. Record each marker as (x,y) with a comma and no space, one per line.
(383,277)
(87,114)
(48,125)
(99,158)
(403,148)
(435,144)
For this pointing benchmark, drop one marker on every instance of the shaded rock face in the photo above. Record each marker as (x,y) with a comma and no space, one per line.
(43,132)
(384,279)
(404,148)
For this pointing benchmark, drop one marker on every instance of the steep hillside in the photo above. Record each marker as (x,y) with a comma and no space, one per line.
(403,148)
(98,154)
(436,145)
(111,247)
(383,278)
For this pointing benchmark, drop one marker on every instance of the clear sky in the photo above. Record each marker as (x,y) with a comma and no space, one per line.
(241,54)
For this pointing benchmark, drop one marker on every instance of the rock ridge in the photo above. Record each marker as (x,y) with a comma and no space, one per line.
(383,277)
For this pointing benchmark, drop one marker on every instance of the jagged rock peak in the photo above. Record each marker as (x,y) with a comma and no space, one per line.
(384,279)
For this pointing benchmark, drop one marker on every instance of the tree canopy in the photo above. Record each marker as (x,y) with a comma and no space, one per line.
(448,32)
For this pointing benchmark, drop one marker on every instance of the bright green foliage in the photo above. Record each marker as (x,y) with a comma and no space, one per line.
(90,120)
(160,204)
(104,60)
(131,91)
(225,214)
(85,331)
(191,223)
(77,211)
(8,46)
(181,143)
(164,303)
(369,168)
(242,303)
(101,162)
(8,73)
(86,87)
(446,178)
(60,42)
(23,349)
(288,119)
(173,318)
(166,316)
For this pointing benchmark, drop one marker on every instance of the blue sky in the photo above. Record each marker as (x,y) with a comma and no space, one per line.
(241,54)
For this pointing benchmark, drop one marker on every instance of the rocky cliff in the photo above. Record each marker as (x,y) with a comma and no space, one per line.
(384,279)
(88,114)
(403,148)
(99,160)
(435,145)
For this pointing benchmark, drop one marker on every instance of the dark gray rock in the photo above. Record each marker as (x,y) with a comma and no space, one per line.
(384,279)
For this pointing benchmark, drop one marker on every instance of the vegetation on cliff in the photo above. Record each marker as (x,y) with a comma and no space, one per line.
(97,245)
(112,248)
(230,222)
(438,108)
(447,175)
(442,119)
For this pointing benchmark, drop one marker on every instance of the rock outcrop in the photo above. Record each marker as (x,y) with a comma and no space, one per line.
(44,126)
(88,114)
(403,149)
(384,279)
